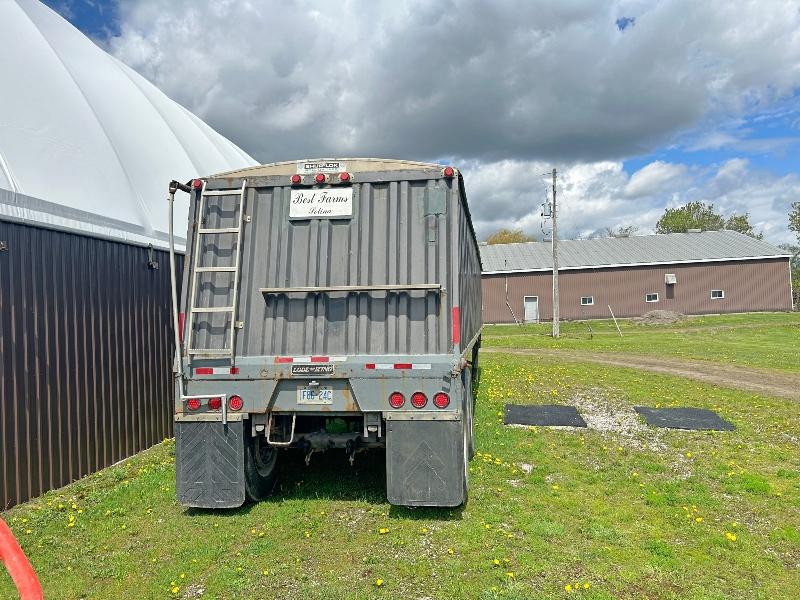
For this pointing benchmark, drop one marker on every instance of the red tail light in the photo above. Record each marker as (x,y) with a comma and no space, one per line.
(418,399)
(197,183)
(396,399)
(235,402)
(441,400)
(344,176)
(448,171)
(296,179)
(320,178)
(215,403)
(193,403)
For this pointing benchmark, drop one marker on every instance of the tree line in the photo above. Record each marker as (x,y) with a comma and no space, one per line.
(692,215)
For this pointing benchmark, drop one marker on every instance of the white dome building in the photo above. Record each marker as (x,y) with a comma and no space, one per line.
(86,143)
(87,150)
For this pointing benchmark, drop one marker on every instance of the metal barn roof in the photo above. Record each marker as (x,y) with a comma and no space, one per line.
(669,248)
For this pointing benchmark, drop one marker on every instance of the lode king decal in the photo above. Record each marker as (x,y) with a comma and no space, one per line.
(334,203)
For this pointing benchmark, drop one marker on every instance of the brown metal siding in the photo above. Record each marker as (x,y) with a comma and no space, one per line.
(86,357)
(757,285)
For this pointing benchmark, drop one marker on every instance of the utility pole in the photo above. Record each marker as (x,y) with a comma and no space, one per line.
(556,327)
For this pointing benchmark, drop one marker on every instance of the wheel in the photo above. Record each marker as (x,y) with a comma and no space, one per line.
(260,467)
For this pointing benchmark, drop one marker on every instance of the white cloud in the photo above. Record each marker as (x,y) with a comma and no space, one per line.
(653,178)
(593,196)
(478,80)
(504,89)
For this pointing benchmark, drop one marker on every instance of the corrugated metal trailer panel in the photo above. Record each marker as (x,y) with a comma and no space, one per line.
(469,284)
(407,228)
(85,341)
(749,285)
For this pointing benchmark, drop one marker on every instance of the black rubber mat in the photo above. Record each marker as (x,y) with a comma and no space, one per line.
(553,415)
(684,418)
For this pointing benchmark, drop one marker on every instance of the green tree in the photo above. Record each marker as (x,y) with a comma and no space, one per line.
(794,219)
(699,215)
(741,223)
(694,215)
(509,236)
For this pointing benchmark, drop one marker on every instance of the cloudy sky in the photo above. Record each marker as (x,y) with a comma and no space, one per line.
(640,105)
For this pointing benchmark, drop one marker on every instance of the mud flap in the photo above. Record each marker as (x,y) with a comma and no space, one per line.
(209,463)
(425,463)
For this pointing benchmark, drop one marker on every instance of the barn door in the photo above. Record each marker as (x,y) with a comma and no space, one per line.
(531,309)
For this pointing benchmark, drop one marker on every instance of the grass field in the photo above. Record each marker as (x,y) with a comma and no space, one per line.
(618,510)
(769,340)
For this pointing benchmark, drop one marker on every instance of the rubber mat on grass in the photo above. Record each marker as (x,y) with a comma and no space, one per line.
(547,415)
(684,418)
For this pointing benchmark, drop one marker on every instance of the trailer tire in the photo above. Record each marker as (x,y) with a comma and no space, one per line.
(260,467)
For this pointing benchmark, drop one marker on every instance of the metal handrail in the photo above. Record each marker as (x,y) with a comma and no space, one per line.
(174,186)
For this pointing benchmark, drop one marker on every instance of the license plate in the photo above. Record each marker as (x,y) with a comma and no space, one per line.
(315,395)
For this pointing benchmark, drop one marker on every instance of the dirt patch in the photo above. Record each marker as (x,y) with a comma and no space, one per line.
(660,317)
(758,381)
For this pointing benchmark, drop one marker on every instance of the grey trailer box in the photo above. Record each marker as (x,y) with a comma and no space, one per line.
(330,292)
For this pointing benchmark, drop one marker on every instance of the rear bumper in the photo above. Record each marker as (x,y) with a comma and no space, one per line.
(359,385)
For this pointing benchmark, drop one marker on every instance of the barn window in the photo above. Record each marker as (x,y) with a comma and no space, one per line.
(653,297)
(717,294)
(587,300)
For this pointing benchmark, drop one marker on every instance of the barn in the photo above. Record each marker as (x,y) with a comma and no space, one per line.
(693,273)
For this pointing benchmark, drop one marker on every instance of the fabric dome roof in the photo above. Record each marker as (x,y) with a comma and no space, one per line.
(86,143)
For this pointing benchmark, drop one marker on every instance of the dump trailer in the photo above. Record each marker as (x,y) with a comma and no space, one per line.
(326,304)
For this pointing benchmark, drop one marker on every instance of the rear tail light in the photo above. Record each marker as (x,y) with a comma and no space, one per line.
(235,402)
(418,399)
(197,183)
(448,171)
(441,400)
(193,403)
(215,403)
(396,400)
(344,176)
(319,178)
(296,179)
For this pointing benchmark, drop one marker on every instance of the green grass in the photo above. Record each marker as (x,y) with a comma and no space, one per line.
(770,340)
(617,510)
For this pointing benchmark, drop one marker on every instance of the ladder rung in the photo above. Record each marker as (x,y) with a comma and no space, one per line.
(220,351)
(223,230)
(236,192)
(215,269)
(212,309)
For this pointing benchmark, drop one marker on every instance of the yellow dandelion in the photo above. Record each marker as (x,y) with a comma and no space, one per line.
(568,588)
(124,526)
(449,550)
(307,534)
(496,562)
(510,574)
(586,586)
(265,572)
(175,589)
(688,455)
(730,536)
(698,519)
(378,582)
(423,530)
(261,534)
(183,575)
(383,530)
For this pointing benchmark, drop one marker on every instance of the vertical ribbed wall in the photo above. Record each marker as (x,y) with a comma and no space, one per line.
(86,354)
(749,286)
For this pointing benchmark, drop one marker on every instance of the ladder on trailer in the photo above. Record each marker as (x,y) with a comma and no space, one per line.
(206,200)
